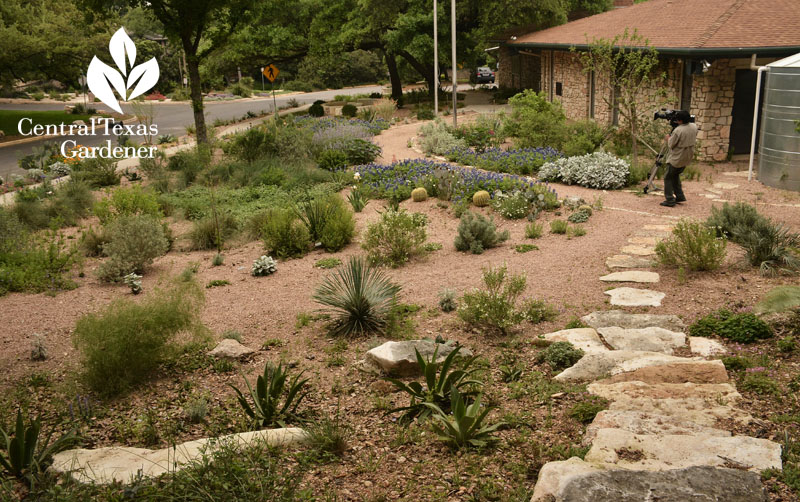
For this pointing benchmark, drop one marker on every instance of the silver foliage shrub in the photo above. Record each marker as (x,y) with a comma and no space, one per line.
(599,170)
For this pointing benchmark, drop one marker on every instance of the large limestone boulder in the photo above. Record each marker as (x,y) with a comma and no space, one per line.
(569,482)
(616,447)
(634,297)
(230,349)
(585,339)
(400,359)
(623,319)
(123,464)
(595,365)
(651,339)
(639,422)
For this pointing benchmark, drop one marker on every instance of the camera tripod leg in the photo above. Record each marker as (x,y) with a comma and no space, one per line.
(658,163)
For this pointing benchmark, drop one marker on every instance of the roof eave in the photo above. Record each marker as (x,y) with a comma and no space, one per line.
(675,51)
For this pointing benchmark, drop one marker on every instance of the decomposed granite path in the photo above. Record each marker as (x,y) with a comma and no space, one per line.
(666,434)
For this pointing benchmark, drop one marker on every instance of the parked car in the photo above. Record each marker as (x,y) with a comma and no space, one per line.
(484,75)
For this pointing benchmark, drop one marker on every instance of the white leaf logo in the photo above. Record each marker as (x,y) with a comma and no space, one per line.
(103,80)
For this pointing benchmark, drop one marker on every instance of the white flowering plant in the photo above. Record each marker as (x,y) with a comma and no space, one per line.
(599,170)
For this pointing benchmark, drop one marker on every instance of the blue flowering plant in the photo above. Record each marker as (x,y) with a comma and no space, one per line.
(523,161)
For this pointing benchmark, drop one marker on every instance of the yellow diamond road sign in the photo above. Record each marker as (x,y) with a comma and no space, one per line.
(271,72)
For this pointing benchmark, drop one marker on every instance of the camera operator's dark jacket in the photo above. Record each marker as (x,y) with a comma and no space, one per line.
(681,145)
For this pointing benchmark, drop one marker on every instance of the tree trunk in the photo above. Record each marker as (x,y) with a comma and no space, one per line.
(394,76)
(195,90)
(634,133)
(425,70)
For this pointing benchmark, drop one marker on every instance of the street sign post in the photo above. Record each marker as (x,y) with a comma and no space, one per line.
(262,79)
(271,72)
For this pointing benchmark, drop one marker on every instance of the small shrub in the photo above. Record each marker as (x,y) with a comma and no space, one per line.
(330,435)
(535,121)
(585,411)
(349,110)
(514,205)
(285,235)
(600,170)
(558,227)
(133,281)
(436,139)
(495,308)
(524,248)
(576,231)
(264,265)
(398,237)
(127,202)
(217,283)
(125,342)
(332,160)
(328,263)
(533,230)
(692,246)
(358,298)
(425,114)
(736,363)
(97,173)
(740,328)
(575,323)
(579,217)
(211,232)
(196,410)
(759,382)
(133,243)
(339,229)
(476,233)
(447,300)
(217,260)
(583,137)
(537,311)
(316,110)
(560,355)
(787,344)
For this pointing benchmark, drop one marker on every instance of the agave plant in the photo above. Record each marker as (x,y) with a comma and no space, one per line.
(358,298)
(465,427)
(24,453)
(267,409)
(441,380)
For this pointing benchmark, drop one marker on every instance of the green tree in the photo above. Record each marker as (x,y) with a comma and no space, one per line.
(632,67)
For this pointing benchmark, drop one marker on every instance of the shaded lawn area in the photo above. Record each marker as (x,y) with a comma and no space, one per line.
(10,118)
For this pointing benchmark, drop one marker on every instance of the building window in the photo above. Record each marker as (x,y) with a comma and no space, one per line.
(559,89)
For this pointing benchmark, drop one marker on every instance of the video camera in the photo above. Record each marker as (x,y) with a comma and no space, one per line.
(672,116)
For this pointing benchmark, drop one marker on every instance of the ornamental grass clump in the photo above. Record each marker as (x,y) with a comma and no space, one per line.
(476,233)
(692,246)
(358,298)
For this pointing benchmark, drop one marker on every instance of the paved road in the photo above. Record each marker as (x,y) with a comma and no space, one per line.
(171,118)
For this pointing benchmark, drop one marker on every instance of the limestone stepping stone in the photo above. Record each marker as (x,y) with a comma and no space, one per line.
(726,186)
(230,349)
(585,339)
(687,371)
(596,365)
(575,480)
(647,339)
(626,261)
(706,347)
(660,227)
(642,452)
(399,358)
(122,464)
(658,234)
(638,422)
(637,276)
(623,319)
(714,191)
(720,200)
(643,241)
(632,297)
(638,250)
(702,404)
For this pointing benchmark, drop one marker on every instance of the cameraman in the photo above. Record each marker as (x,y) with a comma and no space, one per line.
(681,151)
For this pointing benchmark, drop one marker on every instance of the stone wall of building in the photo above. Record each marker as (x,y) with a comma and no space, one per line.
(517,70)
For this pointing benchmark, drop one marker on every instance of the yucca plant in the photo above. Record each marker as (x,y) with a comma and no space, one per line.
(315,213)
(267,409)
(771,246)
(465,427)
(24,453)
(358,298)
(441,380)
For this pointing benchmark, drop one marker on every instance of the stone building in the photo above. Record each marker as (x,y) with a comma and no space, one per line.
(707,48)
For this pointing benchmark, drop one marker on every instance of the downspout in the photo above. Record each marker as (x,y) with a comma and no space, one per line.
(759,69)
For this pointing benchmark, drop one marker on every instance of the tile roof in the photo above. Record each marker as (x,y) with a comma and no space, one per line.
(686,24)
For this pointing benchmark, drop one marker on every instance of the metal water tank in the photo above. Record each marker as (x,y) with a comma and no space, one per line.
(779,151)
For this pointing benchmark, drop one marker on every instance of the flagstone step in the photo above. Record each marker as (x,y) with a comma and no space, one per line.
(626,261)
(623,319)
(651,339)
(638,276)
(585,339)
(706,346)
(643,241)
(638,422)
(596,365)
(633,297)
(638,250)
(685,371)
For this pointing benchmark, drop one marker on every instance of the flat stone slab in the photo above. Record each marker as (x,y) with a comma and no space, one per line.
(638,422)
(399,358)
(623,319)
(631,276)
(626,261)
(595,365)
(726,186)
(642,452)
(123,464)
(687,371)
(658,228)
(647,339)
(703,404)
(643,241)
(706,347)
(231,349)
(633,297)
(638,250)
(585,339)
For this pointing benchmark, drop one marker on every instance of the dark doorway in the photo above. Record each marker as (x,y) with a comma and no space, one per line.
(743,101)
